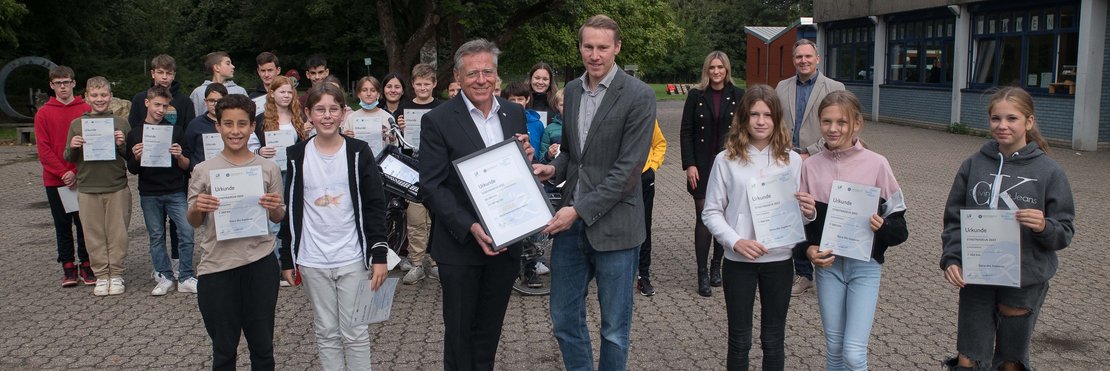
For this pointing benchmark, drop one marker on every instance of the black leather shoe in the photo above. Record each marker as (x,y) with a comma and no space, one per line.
(644,284)
(715,273)
(703,284)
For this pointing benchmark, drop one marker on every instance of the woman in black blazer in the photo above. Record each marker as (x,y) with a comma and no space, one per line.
(706,119)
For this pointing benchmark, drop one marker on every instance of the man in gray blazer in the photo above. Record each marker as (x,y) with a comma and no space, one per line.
(801,96)
(607,129)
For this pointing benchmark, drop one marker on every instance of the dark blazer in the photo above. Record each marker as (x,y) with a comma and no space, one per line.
(447,133)
(702,135)
(608,167)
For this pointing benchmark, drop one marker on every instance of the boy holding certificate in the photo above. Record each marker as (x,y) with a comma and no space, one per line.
(162,190)
(202,141)
(236,290)
(335,233)
(849,282)
(408,116)
(998,308)
(96,145)
(757,165)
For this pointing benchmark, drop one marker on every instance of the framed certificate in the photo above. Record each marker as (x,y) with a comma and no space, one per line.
(991,247)
(510,202)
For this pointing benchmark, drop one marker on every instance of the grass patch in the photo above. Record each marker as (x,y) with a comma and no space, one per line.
(661,90)
(7,134)
(964,129)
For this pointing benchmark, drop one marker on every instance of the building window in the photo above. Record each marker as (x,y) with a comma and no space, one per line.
(1034,48)
(919,51)
(850,52)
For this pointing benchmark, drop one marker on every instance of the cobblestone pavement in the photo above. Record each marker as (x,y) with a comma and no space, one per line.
(43,326)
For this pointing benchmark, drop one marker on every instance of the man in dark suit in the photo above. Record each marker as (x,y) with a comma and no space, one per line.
(608,122)
(476,280)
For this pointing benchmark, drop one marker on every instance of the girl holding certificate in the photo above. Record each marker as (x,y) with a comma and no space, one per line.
(282,114)
(1013,172)
(369,97)
(757,149)
(843,282)
(335,230)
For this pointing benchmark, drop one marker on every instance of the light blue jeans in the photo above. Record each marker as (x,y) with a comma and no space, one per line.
(332,293)
(155,210)
(574,262)
(847,293)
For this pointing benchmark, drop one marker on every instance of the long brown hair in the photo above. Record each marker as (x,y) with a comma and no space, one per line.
(270,115)
(1024,104)
(738,136)
(704,83)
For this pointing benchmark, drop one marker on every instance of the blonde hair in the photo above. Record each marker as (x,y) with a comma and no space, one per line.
(736,145)
(849,105)
(703,84)
(97,82)
(1024,104)
(270,115)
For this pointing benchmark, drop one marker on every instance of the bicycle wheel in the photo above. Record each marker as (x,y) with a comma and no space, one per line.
(534,249)
(396,231)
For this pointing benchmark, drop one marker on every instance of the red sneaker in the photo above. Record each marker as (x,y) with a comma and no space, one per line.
(69,274)
(86,273)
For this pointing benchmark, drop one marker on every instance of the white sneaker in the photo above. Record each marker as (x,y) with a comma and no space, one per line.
(542,269)
(405,265)
(115,286)
(414,275)
(434,273)
(162,285)
(189,285)
(101,288)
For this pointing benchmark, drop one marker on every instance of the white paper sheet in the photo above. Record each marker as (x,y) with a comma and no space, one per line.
(100,139)
(280,140)
(775,214)
(369,130)
(412,125)
(239,214)
(847,228)
(991,247)
(157,140)
(373,306)
(213,144)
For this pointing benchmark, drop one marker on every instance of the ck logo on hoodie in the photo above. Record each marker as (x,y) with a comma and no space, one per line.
(981,193)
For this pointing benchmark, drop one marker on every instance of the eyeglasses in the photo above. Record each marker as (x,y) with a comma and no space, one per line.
(62,83)
(475,73)
(321,111)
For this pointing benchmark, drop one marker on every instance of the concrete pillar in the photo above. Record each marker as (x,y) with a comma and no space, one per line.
(961,54)
(879,76)
(822,48)
(1088,84)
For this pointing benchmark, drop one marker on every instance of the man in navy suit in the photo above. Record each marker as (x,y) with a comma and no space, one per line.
(476,280)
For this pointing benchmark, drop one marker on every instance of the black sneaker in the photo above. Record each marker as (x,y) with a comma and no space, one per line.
(644,284)
(533,280)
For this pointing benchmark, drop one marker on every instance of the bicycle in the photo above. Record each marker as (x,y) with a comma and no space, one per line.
(533,249)
(400,193)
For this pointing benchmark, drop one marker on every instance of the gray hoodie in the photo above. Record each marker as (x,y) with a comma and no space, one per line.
(198,95)
(1033,181)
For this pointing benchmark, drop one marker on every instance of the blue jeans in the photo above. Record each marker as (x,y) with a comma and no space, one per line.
(847,293)
(155,210)
(574,262)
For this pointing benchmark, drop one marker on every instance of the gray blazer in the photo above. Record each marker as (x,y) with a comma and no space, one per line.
(608,167)
(787,90)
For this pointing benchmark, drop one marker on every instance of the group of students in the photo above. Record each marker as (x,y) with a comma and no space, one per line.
(328,206)
(322,242)
(995,323)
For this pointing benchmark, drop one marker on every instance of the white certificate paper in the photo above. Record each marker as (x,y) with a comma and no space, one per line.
(373,306)
(848,222)
(775,214)
(279,140)
(100,139)
(509,201)
(69,199)
(392,166)
(543,117)
(991,241)
(369,130)
(213,144)
(157,140)
(412,125)
(239,190)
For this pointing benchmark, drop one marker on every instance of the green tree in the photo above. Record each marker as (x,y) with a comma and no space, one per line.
(11,13)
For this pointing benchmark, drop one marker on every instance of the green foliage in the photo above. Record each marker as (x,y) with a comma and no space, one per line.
(11,13)
(960,128)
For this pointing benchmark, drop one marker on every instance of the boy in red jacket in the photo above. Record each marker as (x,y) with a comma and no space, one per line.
(51,125)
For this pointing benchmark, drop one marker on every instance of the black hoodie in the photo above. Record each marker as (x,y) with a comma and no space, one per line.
(181,103)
